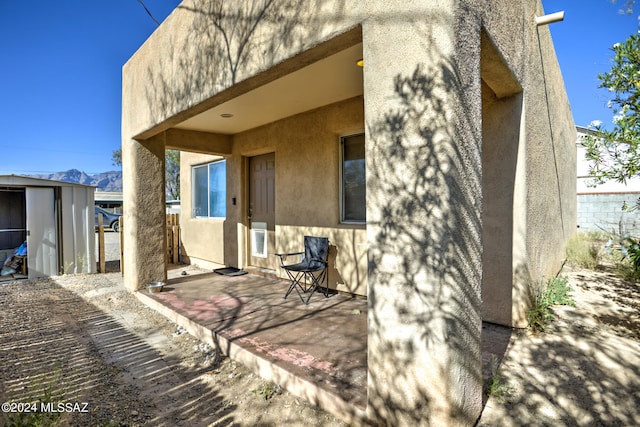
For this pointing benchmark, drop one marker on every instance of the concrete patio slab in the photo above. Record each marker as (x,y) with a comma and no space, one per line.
(317,351)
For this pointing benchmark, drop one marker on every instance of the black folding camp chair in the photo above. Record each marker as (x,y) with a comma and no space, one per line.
(311,272)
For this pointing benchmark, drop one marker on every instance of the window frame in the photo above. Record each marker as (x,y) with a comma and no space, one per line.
(341,140)
(194,187)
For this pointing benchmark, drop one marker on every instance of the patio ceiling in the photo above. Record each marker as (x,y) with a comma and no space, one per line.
(332,79)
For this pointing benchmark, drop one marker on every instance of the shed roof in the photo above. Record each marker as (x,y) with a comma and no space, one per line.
(27,181)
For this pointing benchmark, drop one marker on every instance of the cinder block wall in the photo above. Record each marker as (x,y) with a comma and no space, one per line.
(604,212)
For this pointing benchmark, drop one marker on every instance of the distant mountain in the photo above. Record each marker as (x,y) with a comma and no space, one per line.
(105,181)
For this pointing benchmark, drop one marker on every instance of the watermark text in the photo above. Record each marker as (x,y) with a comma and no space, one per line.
(22,407)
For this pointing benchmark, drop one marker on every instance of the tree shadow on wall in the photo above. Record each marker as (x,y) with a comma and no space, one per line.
(226,43)
(424,170)
(424,167)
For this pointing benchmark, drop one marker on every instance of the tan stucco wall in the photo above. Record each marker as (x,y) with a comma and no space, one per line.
(425,149)
(551,172)
(202,238)
(502,176)
(528,184)
(423,198)
(144,211)
(160,91)
(307,153)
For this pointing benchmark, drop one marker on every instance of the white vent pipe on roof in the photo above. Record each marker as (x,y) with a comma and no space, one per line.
(550,18)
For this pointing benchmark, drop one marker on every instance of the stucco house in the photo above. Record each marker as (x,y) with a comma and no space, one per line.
(431,141)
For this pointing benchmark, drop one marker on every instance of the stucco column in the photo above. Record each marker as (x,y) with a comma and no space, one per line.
(143,170)
(423,217)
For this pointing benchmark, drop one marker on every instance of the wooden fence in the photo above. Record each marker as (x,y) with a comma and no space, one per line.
(173,238)
(172,255)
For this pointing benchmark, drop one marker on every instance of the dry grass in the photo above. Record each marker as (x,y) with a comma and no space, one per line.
(585,250)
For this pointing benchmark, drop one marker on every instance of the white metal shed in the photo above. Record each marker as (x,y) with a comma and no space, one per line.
(55,218)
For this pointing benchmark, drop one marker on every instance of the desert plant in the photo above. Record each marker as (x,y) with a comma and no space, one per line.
(539,316)
(499,388)
(267,391)
(496,386)
(556,292)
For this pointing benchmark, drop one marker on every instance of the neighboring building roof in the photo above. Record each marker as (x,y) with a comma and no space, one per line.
(585,183)
(583,130)
(108,196)
(27,181)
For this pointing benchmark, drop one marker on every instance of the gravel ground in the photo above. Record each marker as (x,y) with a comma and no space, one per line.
(85,342)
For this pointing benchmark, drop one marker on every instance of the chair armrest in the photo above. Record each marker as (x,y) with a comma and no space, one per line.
(289,254)
(283,257)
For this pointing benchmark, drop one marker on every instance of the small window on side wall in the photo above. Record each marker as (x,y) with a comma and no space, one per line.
(353,182)
(210,190)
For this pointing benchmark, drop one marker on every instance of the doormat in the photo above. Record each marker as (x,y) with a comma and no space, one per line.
(230,271)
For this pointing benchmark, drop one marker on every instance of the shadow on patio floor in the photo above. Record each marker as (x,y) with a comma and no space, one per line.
(316,351)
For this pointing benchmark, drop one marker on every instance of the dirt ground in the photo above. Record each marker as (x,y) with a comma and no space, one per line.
(84,342)
(584,370)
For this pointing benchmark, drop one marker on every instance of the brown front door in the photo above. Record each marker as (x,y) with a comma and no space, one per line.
(262,211)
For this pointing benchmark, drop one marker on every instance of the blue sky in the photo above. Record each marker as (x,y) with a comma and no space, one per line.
(583,42)
(60,80)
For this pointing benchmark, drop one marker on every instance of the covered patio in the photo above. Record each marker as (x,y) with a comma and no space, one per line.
(316,351)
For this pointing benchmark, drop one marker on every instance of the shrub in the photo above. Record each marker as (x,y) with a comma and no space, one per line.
(556,292)
(624,254)
(633,251)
